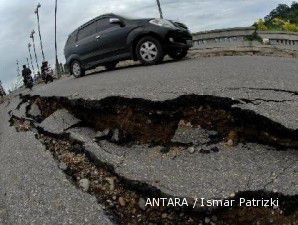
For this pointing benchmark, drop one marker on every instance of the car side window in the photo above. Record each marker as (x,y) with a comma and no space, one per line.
(104,24)
(87,31)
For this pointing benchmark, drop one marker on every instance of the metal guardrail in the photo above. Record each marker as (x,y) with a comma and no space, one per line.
(237,37)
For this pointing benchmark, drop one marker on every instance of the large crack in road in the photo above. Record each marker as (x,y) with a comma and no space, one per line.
(128,122)
(142,121)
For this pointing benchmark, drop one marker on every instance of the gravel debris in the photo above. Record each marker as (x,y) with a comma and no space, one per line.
(111,181)
(142,204)
(115,136)
(122,201)
(62,166)
(191,150)
(84,184)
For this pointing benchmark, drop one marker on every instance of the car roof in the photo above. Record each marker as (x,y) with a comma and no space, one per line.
(92,20)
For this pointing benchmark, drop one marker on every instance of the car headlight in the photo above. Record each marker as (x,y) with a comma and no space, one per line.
(162,23)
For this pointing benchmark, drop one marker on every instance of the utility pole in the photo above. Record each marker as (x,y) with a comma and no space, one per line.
(56,52)
(28,63)
(159,8)
(32,37)
(37,15)
(29,48)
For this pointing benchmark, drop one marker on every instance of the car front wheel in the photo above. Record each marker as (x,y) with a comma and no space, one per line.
(77,69)
(149,51)
(178,54)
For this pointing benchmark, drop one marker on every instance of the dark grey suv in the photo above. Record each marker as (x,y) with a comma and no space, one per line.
(110,38)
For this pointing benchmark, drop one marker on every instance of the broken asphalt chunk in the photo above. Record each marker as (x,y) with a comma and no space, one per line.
(59,121)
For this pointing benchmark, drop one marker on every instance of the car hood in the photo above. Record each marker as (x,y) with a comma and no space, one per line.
(178,25)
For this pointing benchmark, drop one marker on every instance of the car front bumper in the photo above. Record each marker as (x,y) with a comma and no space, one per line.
(179,39)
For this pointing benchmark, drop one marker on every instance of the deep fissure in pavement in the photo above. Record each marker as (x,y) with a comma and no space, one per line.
(139,121)
(124,199)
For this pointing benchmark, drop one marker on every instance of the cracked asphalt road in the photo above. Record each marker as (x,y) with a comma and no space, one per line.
(222,76)
(265,85)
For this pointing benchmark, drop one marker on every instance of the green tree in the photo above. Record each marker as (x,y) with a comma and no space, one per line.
(284,17)
(281,11)
(293,14)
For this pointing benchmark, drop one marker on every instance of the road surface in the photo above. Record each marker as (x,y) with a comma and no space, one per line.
(266,85)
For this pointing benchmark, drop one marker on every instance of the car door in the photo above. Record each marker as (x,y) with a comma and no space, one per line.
(112,38)
(86,43)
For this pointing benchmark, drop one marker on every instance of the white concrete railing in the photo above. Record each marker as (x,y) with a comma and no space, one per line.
(237,37)
(280,38)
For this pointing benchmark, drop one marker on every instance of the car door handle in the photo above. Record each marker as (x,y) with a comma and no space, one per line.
(77,45)
(98,37)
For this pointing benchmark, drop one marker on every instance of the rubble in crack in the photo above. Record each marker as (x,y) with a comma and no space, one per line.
(124,198)
(189,135)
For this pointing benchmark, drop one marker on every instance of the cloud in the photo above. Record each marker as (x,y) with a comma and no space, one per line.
(17,20)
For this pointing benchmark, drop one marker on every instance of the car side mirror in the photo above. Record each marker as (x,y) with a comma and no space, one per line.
(117,21)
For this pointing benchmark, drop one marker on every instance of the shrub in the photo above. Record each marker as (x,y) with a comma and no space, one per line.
(260,25)
(254,37)
(290,27)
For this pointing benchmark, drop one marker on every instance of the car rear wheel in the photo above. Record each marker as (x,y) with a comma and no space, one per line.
(149,51)
(111,65)
(76,69)
(178,54)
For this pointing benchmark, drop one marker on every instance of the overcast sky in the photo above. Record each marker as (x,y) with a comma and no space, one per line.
(18,19)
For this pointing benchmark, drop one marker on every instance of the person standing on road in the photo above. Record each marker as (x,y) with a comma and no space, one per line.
(27,79)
